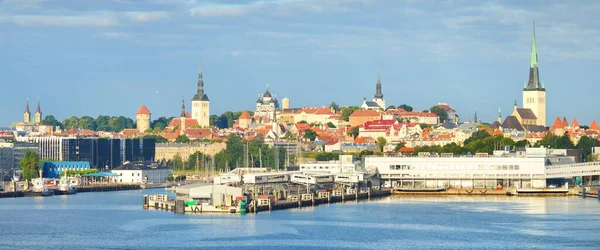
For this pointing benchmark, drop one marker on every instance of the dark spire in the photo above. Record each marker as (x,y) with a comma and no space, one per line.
(182,108)
(534,74)
(38,110)
(26,105)
(378,94)
(200,95)
(475,117)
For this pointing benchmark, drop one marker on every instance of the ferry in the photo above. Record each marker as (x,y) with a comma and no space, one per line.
(40,188)
(64,186)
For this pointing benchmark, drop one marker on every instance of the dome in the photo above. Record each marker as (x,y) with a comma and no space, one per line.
(267,93)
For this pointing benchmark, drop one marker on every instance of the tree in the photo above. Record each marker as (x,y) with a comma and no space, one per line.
(347,111)
(586,144)
(391,107)
(552,141)
(302,122)
(522,144)
(331,125)
(30,164)
(176,162)
(51,121)
(182,139)
(399,146)
(381,142)
(406,107)
(334,106)
(310,134)
(440,112)
(86,122)
(158,139)
(70,123)
(354,132)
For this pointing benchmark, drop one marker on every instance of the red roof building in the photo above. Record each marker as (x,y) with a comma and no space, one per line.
(143,110)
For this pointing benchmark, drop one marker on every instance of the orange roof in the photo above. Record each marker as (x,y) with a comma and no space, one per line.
(245,115)
(406,150)
(497,132)
(565,123)
(594,126)
(557,123)
(575,123)
(188,122)
(364,113)
(143,110)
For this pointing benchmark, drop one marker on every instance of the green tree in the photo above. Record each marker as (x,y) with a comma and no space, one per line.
(347,111)
(86,122)
(302,122)
(51,121)
(182,139)
(30,164)
(331,125)
(552,141)
(176,162)
(522,144)
(158,139)
(102,123)
(334,106)
(381,142)
(391,107)
(440,112)
(310,134)
(406,107)
(354,132)
(586,144)
(70,123)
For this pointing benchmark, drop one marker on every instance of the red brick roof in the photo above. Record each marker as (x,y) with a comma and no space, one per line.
(364,113)
(594,126)
(557,123)
(245,115)
(143,110)
(189,122)
(575,123)
(445,107)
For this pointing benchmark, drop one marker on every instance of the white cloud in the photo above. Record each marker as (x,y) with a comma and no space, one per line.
(24,3)
(116,35)
(54,20)
(147,16)
(221,10)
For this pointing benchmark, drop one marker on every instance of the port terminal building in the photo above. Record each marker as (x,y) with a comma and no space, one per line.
(532,168)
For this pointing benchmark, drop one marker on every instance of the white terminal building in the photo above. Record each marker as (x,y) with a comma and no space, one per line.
(525,169)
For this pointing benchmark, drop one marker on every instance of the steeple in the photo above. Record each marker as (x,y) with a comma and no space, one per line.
(26,114)
(534,74)
(38,110)
(475,117)
(182,108)
(200,95)
(499,115)
(27,105)
(378,94)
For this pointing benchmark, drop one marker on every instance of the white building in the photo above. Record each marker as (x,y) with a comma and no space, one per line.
(133,173)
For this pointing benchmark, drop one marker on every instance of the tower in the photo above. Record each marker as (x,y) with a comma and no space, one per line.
(142,118)
(26,114)
(285,103)
(201,103)
(499,115)
(183,118)
(378,94)
(534,93)
(38,113)
(475,119)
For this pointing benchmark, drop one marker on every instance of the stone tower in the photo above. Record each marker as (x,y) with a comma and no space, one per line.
(201,104)
(534,93)
(27,114)
(38,113)
(285,103)
(378,94)
(143,118)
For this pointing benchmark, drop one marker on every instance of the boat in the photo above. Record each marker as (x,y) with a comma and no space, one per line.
(421,189)
(64,186)
(40,188)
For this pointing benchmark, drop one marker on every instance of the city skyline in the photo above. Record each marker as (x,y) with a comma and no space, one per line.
(102,62)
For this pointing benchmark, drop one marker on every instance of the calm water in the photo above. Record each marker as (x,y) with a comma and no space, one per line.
(116,220)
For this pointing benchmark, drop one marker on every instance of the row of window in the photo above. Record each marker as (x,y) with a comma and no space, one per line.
(454,167)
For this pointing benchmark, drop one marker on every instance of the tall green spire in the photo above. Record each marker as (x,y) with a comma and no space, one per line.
(534,74)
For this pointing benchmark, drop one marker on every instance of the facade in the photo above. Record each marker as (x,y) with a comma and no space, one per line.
(358,117)
(245,120)
(99,152)
(55,169)
(33,127)
(138,173)
(534,93)
(166,151)
(285,103)
(201,104)
(143,118)
(11,153)
(391,130)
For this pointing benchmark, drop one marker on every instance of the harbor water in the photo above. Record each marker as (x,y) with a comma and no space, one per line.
(116,220)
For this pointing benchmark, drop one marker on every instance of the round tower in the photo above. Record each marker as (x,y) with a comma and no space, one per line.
(285,103)
(142,119)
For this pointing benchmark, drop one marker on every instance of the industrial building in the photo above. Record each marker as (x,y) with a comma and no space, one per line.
(141,173)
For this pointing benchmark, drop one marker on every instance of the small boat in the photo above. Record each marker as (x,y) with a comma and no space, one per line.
(421,189)
(40,188)
(64,186)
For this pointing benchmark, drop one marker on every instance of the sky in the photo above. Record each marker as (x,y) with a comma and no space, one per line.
(108,57)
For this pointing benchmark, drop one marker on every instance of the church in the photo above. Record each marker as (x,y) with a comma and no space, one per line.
(201,104)
(35,126)
(378,102)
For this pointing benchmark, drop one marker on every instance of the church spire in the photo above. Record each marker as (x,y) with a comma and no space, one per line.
(27,105)
(534,74)
(182,108)
(475,117)
(200,95)
(378,94)
(499,115)
(38,109)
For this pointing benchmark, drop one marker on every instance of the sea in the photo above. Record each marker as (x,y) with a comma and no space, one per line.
(116,220)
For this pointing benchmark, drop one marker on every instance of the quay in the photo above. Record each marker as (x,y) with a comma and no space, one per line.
(79,189)
(262,203)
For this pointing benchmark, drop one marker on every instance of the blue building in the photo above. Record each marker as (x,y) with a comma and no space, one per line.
(54,169)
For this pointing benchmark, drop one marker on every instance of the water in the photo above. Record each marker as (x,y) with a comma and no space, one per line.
(116,220)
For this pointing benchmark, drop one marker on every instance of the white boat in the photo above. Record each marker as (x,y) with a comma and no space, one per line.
(64,186)
(39,187)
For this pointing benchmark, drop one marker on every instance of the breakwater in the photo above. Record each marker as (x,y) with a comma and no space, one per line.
(80,189)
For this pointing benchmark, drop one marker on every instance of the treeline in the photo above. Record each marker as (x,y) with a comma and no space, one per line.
(227,119)
(234,156)
(103,123)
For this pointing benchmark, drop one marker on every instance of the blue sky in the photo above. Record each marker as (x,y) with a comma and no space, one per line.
(109,57)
